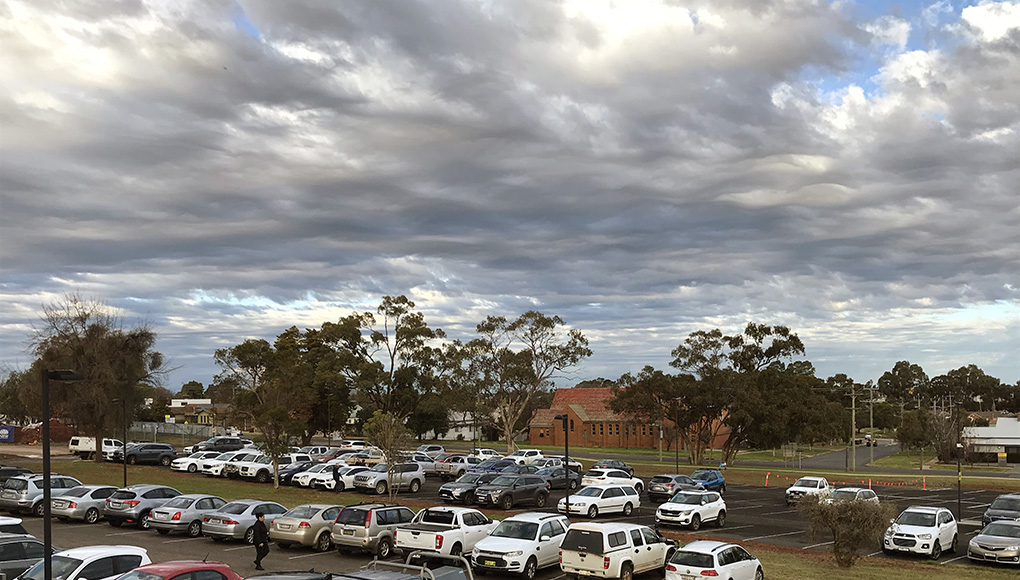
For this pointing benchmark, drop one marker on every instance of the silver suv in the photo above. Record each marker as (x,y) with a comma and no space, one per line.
(133,503)
(369,527)
(406,476)
(24,493)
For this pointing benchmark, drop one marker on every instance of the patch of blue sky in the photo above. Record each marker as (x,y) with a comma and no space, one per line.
(1000,310)
(241,21)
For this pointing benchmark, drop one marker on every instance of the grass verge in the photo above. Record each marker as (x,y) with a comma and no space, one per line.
(911,459)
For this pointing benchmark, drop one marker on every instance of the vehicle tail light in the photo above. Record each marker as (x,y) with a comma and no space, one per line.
(205,520)
(368,519)
(72,505)
(561,556)
(709,573)
(176,517)
(605,563)
(304,525)
(231,522)
(107,500)
(670,568)
(439,541)
(132,502)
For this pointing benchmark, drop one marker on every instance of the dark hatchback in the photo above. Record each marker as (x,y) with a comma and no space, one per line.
(463,489)
(287,473)
(556,478)
(506,491)
(613,464)
(1004,507)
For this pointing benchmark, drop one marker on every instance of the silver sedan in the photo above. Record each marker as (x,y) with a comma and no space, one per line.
(235,520)
(305,525)
(184,513)
(997,542)
(84,502)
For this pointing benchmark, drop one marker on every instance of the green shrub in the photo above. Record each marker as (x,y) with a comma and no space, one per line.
(852,524)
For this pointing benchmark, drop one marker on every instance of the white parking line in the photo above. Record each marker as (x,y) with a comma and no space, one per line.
(746,507)
(953,560)
(308,555)
(773,535)
(247,547)
(973,491)
(727,529)
(183,540)
(775,513)
(873,554)
(127,533)
(817,545)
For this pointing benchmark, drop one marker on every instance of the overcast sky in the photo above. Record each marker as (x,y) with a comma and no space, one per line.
(224,170)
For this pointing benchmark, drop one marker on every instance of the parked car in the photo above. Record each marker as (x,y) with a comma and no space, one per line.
(463,489)
(922,530)
(704,558)
(183,570)
(90,563)
(371,456)
(221,444)
(146,453)
(214,467)
(710,479)
(192,463)
(261,468)
(406,476)
(998,541)
(494,465)
(521,469)
(486,453)
(19,552)
(11,525)
(1004,507)
(132,504)
(431,450)
(85,447)
(852,494)
(232,468)
(9,471)
(600,476)
(613,550)
(185,513)
(600,499)
(560,478)
(24,493)
(304,479)
(445,530)
(506,491)
(369,527)
(315,451)
(574,464)
(287,472)
(235,519)
(691,509)
(526,456)
(354,445)
(455,466)
(613,464)
(85,502)
(816,486)
(663,486)
(521,544)
(427,463)
(333,453)
(547,462)
(305,525)
(347,475)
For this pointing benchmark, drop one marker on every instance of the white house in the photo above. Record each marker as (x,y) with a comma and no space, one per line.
(1002,438)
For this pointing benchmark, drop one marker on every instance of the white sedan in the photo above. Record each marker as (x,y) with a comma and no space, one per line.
(325,479)
(304,479)
(599,499)
(193,462)
(691,509)
(617,476)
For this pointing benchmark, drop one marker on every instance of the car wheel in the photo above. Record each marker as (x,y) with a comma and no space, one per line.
(415,486)
(507,502)
(195,529)
(593,512)
(92,516)
(262,476)
(39,510)
(469,498)
(956,539)
(380,488)
(572,485)
(115,523)
(384,549)
(132,460)
(249,536)
(758,574)
(936,551)
(143,522)
(540,500)
(162,532)
(638,488)
(339,486)
(720,519)
(530,568)
(323,543)
(695,522)
(627,572)
(192,468)
(456,549)
(165,460)
(627,509)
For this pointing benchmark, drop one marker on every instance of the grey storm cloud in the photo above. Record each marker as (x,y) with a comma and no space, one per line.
(643,169)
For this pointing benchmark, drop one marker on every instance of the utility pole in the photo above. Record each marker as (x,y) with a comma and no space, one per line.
(853,429)
(871,413)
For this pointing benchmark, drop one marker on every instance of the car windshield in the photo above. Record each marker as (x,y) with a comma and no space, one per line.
(686,499)
(590,492)
(692,559)
(235,508)
(487,463)
(518,530)
(180,502)
(469,478)
(916,519)
(380,468)
(805,482)
(1007,504)
(319,468)
(1002,530)
(844,494)
(302,512)
(139,575)
(503,480)
(346,470)
(62,568)
(198,455)
(224,456)
(265,460)
(595,473)
(550,471)
(701,474)
(76,492)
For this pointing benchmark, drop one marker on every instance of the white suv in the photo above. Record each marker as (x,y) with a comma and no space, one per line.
(691,508)
(613,550)
(525,456)
(922,530)
(408,476)
(521,544)
(816,486)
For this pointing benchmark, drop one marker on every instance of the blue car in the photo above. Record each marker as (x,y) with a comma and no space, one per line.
(493,465)
(710,479)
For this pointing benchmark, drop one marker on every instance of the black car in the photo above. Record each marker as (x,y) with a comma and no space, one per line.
(463,489)
(519,469)
(506,491)
(221,444)
(663,487)
(556,478)
(152,453)
(613,464)
(1004,507)
(19,552)
(287,473)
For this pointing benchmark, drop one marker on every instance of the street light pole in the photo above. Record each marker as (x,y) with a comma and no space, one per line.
(566,458)
(123,441)
(871,413)
(61,375)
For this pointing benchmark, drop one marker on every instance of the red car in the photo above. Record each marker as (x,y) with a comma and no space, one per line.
(182,570)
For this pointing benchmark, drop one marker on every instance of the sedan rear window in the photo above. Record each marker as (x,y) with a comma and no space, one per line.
(582,541)
(179,502)
(235,508)
(76,492)
(693,559)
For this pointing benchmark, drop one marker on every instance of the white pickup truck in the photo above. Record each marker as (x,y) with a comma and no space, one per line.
(85,447)
(811,485)
(445,530)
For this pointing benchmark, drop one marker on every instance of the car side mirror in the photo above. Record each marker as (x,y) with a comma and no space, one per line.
(545,538)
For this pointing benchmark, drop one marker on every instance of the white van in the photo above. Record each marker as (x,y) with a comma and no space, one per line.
(85,447)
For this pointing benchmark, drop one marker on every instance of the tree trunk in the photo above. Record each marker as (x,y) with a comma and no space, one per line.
(98,436)
(276,472)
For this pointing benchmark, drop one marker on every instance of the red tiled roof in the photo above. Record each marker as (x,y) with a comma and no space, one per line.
(594,402)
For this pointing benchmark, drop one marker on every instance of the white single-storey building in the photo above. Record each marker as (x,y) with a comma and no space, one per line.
(1002,438)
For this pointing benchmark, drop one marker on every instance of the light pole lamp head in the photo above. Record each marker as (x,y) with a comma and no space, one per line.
(64,375)
(562,418)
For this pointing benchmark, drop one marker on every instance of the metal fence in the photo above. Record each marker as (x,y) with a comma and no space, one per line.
(177,434)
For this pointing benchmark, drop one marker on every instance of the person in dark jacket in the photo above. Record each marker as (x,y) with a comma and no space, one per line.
(336,476)
(261,539)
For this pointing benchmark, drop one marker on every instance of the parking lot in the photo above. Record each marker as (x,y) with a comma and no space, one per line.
(755,514)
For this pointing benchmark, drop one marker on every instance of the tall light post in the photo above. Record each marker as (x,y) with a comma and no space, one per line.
(959,481)
(123,426)
(871,415)
(47,376)
(566,457)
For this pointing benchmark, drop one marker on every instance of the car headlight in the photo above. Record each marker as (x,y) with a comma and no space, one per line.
(1011,548)
(514,554)
(457,492)
(924,536)
(888,532)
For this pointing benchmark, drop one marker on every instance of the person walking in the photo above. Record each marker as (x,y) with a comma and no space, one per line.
(336,476)
(260,539)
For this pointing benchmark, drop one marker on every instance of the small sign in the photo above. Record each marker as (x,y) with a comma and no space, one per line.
(6,434)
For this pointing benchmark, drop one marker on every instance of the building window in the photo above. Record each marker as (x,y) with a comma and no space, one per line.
(643,430)
(592,428)
(571,425)
(617,428)
(541,434)
(602,428)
